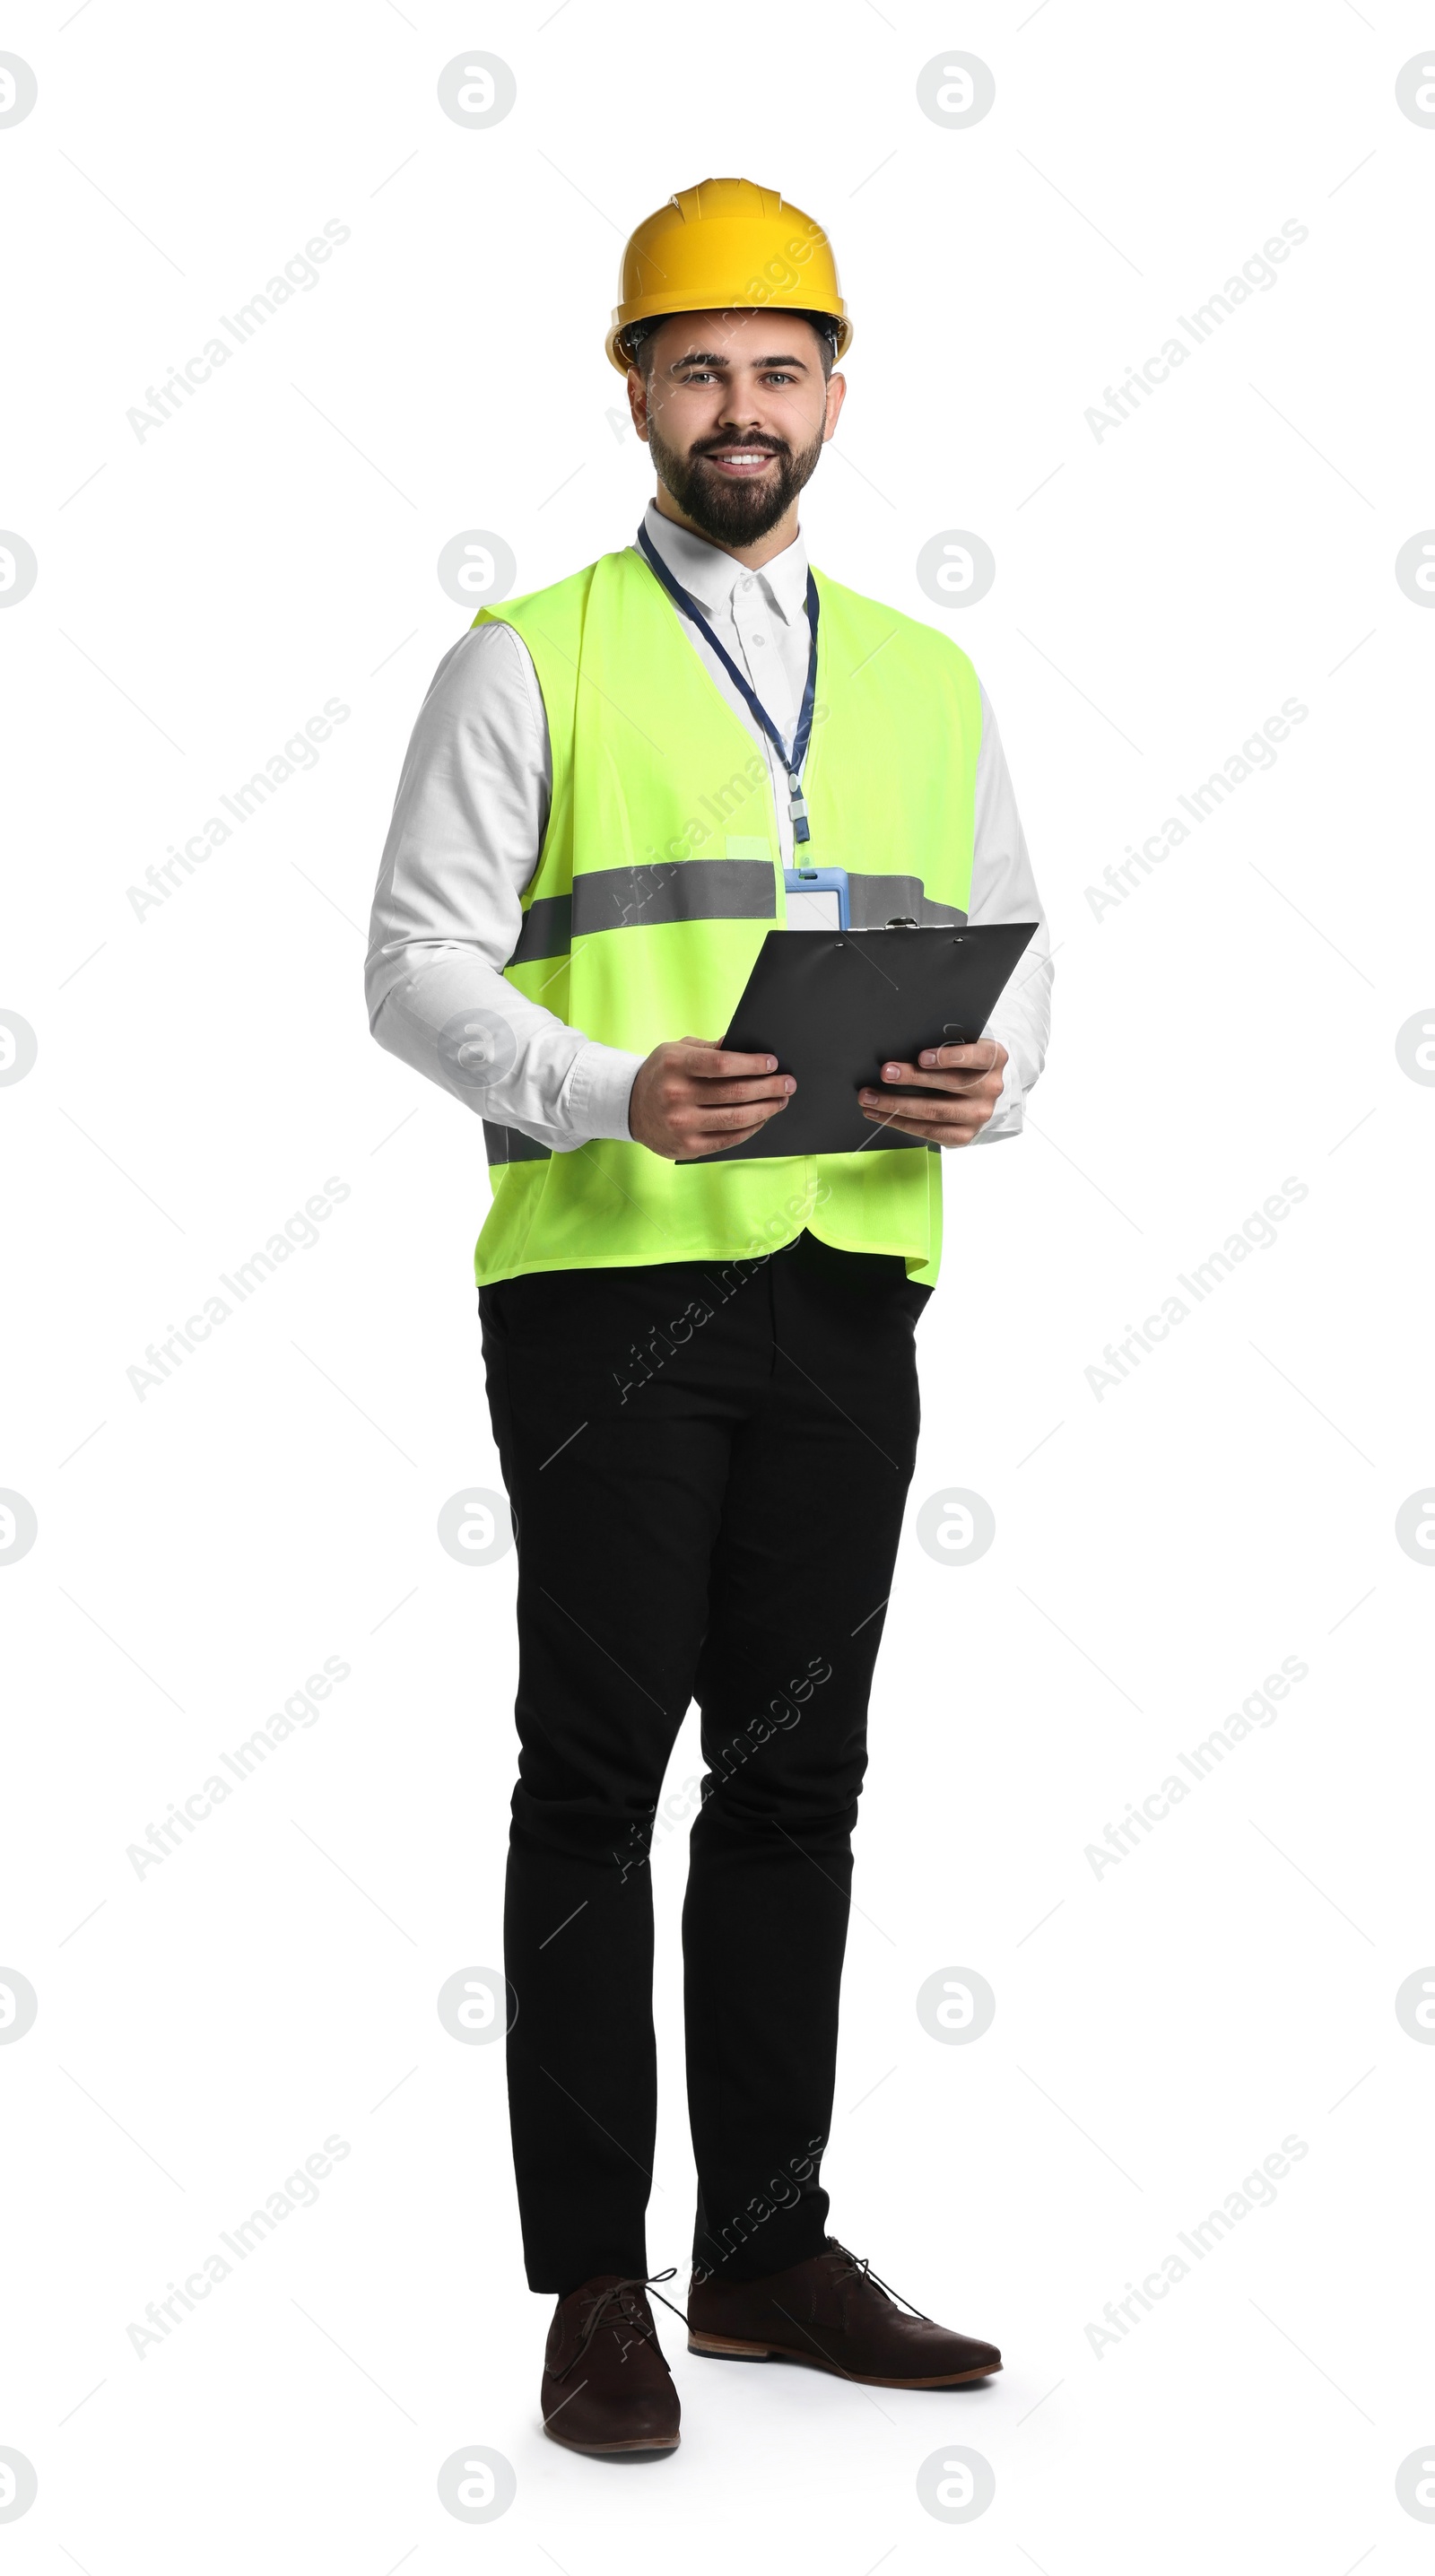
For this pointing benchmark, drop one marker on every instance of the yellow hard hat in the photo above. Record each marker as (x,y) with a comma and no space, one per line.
(726,245)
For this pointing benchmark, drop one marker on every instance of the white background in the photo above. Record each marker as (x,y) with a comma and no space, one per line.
(203,1069)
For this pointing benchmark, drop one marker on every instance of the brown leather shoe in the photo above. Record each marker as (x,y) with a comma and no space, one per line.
(606,2386)
(833,2314)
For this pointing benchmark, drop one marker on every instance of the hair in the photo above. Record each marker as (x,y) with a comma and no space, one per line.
(638,338)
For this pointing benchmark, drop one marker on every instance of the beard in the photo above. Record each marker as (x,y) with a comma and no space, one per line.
(733,514)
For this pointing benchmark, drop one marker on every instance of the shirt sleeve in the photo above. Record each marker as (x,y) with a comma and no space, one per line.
(1004,889)
(467,829)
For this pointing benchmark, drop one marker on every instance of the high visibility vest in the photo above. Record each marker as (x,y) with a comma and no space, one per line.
(661,875)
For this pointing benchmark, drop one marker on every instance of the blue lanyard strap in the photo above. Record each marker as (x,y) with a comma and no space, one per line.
(792,761)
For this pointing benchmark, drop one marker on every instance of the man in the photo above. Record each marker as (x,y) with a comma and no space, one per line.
(701,1375)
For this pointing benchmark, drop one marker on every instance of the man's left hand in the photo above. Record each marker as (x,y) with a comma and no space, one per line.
(963,1084)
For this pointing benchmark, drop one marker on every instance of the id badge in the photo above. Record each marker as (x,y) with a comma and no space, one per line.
(816,898)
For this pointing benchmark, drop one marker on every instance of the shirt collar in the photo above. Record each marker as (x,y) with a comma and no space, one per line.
(712,575)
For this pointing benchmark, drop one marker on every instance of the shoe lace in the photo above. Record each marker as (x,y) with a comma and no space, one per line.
(619,2302)
(860,2267)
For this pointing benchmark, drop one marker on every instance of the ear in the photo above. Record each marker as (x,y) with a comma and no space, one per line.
(836,396)
(638,402)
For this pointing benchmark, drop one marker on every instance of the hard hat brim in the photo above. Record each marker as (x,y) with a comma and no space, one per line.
(655,308)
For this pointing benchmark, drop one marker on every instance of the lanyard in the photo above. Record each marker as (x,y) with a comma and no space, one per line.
(791,760)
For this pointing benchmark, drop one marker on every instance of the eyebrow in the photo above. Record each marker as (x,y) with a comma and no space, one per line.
(715,358)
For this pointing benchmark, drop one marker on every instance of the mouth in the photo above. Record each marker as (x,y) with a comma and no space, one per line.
(741,464)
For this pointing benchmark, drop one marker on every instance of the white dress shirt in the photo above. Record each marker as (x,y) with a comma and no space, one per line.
(468,826)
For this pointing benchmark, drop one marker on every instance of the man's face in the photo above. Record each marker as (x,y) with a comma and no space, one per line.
(736,410)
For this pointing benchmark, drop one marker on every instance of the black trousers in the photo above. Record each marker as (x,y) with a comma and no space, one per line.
(707,1465)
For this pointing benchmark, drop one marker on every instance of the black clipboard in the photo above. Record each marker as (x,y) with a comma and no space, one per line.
(834,1006)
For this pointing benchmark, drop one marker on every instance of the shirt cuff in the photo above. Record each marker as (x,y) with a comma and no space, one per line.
(1007,1117)
(600,1085)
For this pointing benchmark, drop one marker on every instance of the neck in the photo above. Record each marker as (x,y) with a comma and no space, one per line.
(761,550)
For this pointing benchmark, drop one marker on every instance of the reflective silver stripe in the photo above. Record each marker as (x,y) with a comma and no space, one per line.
(674,890)
(547,929)
(510,1145)
(874,901)
(703,890)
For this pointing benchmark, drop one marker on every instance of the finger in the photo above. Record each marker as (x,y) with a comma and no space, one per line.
(938,1111)
(926,1134)
(720,1095)
(981,1055)
(697,1118)
(710,1141)
(938,1086)
(958,1086)
(972,1063)
(718,1064)
(693,1153)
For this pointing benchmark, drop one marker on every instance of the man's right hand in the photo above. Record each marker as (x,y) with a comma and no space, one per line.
(690,1097)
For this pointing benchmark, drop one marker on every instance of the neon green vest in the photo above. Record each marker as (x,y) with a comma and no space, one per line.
(660,876)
